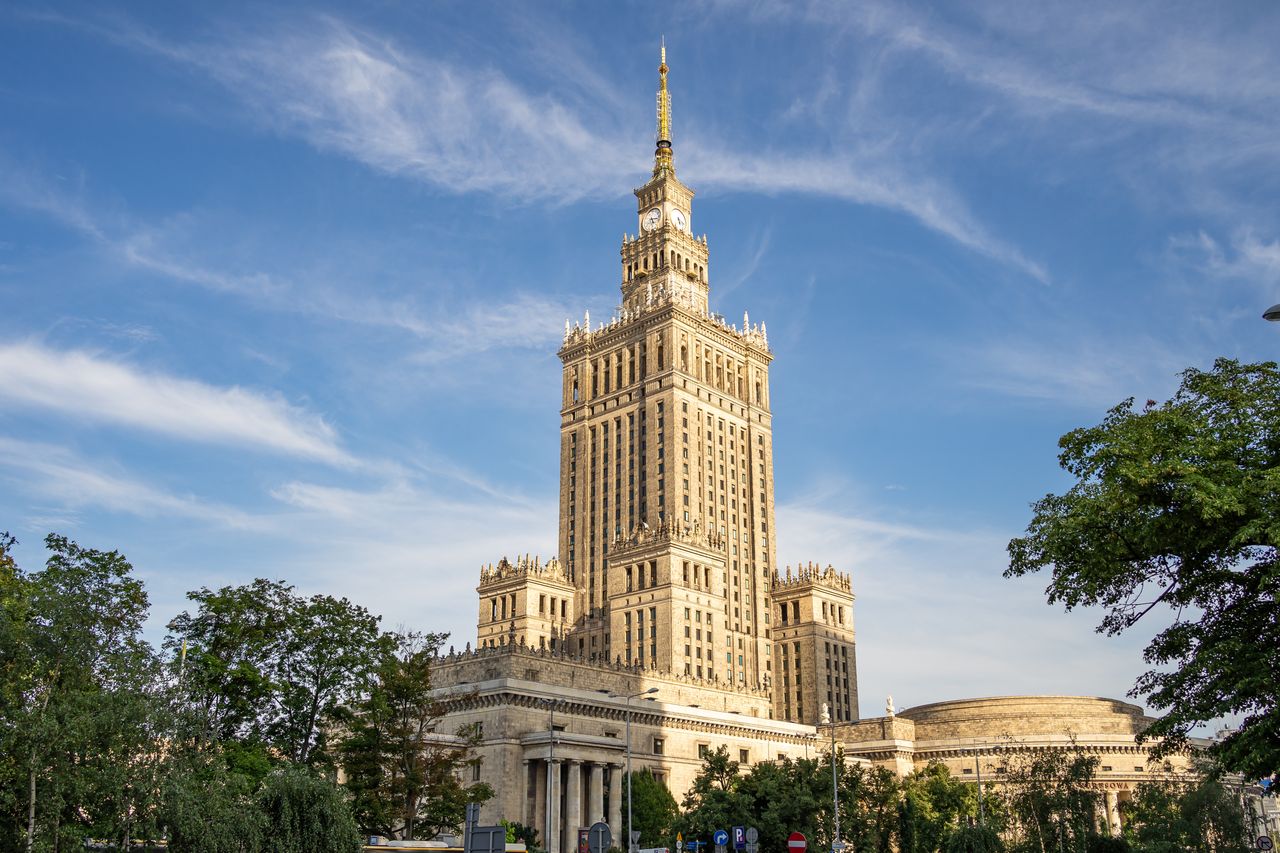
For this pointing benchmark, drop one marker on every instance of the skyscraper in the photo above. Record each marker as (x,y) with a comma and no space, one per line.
(666,462)
(665,630)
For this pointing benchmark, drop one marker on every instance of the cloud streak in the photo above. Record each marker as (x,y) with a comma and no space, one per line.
(85,386)
(466,130)
(58,475)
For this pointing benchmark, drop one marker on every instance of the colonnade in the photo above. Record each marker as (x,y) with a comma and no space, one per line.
(580,791)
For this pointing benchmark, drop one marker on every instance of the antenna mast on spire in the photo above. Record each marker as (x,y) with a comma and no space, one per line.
(662,161)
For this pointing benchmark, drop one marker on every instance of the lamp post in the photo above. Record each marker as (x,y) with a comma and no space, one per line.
(631,845)
(551,762)
(836,844)
(977,763)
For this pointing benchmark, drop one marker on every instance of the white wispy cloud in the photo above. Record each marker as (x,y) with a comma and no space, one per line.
(90,387)
(415,536)
(466,129)
(172,250)
(73,483)
(934,616)
(1245,258)
(1087,372)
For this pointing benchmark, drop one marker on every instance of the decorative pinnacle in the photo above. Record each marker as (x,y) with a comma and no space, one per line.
(662,161)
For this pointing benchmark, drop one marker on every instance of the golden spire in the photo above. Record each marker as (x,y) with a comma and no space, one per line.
(662,154)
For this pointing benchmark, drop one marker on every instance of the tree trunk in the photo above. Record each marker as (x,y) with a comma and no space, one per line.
(31,806)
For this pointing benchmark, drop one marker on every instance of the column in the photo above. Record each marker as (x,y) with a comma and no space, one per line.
(1113,813)
(595,808)
(615,806)
(574,815)
(553,831)
(529,805)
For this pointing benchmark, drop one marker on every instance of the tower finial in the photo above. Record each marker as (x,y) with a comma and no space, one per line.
(662,161)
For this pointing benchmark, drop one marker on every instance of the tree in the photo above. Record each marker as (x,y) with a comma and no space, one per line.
(267,668)
(207,807)
(935,805)
(786,796)
(973,839)
(307,814)
(1177,506)
(1174,814)
(1052,806)
(402,773)
(712,801)
(79,708)
(328,655)
(654,809)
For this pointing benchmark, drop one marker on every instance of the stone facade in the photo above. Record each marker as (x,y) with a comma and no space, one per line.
(814,639)
(986,737)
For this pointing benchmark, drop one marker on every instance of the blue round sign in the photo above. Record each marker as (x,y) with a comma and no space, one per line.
(721,838)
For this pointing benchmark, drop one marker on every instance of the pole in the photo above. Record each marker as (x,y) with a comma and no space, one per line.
(630,844)
(981,811)
(550,764)
(835,786)
(629,696)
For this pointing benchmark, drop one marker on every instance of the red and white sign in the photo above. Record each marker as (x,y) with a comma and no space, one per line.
(796,843)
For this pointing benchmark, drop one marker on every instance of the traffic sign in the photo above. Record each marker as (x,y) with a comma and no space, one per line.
(599,838)
(796,843)
(1264,842)
(739,838)
(679,842)
(752,835)
(720,838)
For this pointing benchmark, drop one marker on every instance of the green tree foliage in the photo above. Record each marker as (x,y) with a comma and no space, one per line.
(101,740)
(400,770)
(1171,815)
(307,814)
(784,796)
(653,808)
(79,703)
(267,669)
(526,835)
(973,839)
(208,808)
(712,801)
(788,796)
(934,806)
(871,796)
(1178,506)
(1051,804)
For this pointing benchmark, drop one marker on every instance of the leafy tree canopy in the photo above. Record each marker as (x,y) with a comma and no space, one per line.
(1177,506)
(653,807)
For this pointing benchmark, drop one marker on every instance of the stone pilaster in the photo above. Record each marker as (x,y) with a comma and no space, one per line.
(596,808)
(574,812)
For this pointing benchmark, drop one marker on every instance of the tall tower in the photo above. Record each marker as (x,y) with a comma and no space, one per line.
(666,458)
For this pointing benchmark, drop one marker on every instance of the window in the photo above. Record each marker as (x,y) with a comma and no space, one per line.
(703,750)
(658,744)
(744,756)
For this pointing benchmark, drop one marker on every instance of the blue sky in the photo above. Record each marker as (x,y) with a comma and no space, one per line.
(283,284)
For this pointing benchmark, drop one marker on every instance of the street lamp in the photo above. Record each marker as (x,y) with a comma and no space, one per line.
(836,844)
(631,844)
(551,761)
(1272,313)
(977,763)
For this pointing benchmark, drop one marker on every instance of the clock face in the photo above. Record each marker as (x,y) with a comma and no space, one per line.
(678,220)
(651,219)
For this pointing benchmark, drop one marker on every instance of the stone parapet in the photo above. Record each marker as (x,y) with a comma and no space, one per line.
(563,669)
